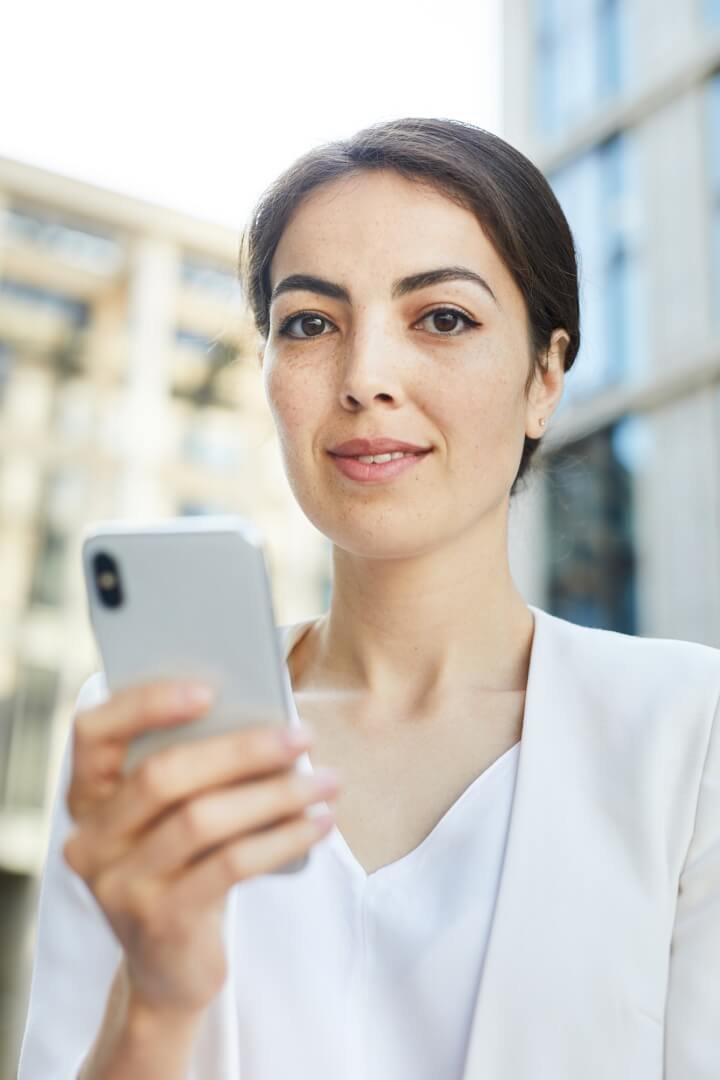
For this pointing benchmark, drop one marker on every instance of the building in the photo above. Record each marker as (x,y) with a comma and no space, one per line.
(618,102)
(129,388)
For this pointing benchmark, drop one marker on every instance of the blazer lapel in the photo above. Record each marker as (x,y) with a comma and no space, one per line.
(560,953)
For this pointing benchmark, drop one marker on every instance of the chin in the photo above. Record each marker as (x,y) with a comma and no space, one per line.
(378,540)
(401,528)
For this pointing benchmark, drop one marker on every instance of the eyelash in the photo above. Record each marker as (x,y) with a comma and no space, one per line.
(283,328)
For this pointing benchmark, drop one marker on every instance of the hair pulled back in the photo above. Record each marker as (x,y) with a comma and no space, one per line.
(507,193)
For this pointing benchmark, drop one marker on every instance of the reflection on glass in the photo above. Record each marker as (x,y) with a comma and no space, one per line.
(590,525)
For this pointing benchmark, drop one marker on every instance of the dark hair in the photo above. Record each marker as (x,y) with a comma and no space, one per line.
(477,170)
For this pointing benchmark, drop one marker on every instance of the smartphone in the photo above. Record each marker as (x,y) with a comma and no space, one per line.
(188,598)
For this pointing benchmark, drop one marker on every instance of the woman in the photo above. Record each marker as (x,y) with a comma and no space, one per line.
(478,911)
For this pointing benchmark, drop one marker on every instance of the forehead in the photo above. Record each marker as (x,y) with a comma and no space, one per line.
(379,224)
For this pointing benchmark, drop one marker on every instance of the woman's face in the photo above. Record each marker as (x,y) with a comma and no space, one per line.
(384,362)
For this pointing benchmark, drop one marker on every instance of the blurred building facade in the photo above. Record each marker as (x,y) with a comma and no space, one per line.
(618,103)
(129,389)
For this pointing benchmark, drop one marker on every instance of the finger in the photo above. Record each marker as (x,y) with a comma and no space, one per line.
(175,773)
(99,737)
(136,709)
(208,880)
(212,819)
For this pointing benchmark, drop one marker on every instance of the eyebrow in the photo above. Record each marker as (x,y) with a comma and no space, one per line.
(401,287)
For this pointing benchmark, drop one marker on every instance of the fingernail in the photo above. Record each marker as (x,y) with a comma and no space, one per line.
(196,694)
(323,822)
(326,778)
(298,736)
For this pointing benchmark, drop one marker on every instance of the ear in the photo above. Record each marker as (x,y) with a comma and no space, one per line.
(556,351)
(548,385)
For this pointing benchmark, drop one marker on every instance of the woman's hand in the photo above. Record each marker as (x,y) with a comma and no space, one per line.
(160,846)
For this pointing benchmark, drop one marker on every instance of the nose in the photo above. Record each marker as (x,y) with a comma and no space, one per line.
(369,368)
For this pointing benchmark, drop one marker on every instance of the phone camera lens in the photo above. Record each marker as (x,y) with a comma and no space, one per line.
(107,579)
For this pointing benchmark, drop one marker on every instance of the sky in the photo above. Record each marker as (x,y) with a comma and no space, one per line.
(199,106)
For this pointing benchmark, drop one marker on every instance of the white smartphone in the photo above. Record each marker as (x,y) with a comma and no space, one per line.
(188,598)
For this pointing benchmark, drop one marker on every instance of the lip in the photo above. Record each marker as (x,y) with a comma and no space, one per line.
(365,447)
(365,472)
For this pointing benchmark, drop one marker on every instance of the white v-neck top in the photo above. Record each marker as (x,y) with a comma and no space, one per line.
(333,972)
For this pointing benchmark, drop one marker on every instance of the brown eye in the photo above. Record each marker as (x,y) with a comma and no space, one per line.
(309,322)
(445,320)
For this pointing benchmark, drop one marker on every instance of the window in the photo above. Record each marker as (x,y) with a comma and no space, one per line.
(211,448)
(590,523)
(74,243)
(608,15)
(188,339)
(73,409)
(326,576)
(48,584)
(61,504)
(580,61)
(6,363)
(74,310)
(210,278)
(711,11)
(190,508)
(599,194)
(26,722)
(206,385)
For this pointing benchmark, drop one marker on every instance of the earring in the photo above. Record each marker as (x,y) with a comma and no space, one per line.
(542,421)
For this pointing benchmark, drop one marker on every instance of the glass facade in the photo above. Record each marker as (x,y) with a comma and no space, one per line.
(580,48)
(599,194)
(591,570)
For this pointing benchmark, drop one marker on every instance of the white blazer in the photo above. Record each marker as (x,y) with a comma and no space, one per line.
(603,957)
(603,961)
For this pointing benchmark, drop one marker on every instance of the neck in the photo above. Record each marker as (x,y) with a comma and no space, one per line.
(416,630)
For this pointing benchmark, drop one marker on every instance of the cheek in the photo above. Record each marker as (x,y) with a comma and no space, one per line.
(295,400)
(479,415)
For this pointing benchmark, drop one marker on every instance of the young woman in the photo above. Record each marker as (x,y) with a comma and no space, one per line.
(521,878)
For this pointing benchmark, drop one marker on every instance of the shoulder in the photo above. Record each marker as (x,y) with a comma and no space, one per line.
(656,661)
(653,702)
(664,689)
